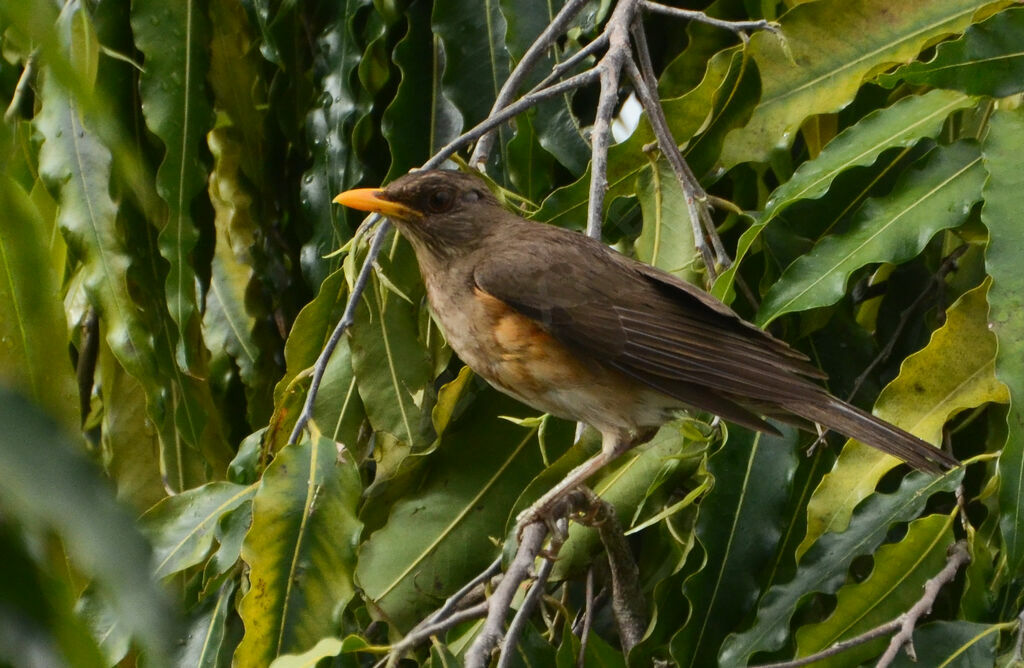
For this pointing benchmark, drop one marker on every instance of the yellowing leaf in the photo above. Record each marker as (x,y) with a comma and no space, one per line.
(954,372)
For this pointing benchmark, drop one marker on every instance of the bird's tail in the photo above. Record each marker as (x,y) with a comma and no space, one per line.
(851,421)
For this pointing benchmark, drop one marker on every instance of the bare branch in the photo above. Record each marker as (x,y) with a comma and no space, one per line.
(958,557)
(627,599)
(588,619)
(516,628)
(738,27)
(532,539)
(838,648)
(694,196)
(424,631)
(600,42)
(347,318)
(610,67)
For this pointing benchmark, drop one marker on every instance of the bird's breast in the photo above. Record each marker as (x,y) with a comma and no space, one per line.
(518,356)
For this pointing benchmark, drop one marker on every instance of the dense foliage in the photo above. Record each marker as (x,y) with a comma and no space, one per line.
(169,273)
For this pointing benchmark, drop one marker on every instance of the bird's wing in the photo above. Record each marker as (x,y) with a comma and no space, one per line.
(642,322)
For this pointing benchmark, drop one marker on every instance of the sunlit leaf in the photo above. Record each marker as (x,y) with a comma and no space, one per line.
(300,551)
(1004,197)
(828,48)
(172,39)
(823,568)
(954,372)
(987,60)
(893,228)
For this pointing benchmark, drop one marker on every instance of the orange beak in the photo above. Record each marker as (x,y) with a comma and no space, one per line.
(370,199)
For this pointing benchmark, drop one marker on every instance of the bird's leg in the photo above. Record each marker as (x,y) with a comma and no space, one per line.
(612,445)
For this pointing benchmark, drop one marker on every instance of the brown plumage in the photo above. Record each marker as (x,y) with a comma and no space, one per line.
(578,330)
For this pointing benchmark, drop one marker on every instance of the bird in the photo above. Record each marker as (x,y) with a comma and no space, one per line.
(573,328)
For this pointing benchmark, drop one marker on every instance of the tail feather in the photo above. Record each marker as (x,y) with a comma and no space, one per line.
(851,421)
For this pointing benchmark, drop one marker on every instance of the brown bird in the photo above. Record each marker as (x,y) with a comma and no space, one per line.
(569,326)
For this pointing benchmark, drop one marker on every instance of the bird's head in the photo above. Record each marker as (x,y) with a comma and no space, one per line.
(440,211)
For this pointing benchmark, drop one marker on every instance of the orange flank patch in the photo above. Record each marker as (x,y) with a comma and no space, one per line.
(529,359)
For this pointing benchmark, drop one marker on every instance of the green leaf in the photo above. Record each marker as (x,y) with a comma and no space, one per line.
(476,64)
(959,644)
(181,526)
(33,331)
(1004,197)
(227,323)
(204,645)
(329,127)
(420,119)
(131,449)
(987,60)
(438,533)
(392,365)
(954,372)
(48,485)
(300,551)
(893,228)
(738,528)
(172,38)
(828,48)
(901,124)
(823,568)
(894,585)
(666,240)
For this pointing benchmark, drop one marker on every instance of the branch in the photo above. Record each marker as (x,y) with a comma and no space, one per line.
(609,67)
(627,599)
(479,653)
(958,556)
(518,625)
(588,619)
(646,89)
(738,27)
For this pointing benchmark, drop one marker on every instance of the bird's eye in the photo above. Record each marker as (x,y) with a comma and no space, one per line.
(440,200)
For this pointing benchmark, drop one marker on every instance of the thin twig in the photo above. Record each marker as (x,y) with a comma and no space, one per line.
(904,624)
(347,318)
(610,66)
(738,27)
(518,625)
(693,194)
(958,557)
(532,539)
(588,619)
(515,79)
(453,601)
(837,648)
(559,70)
(423,632)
